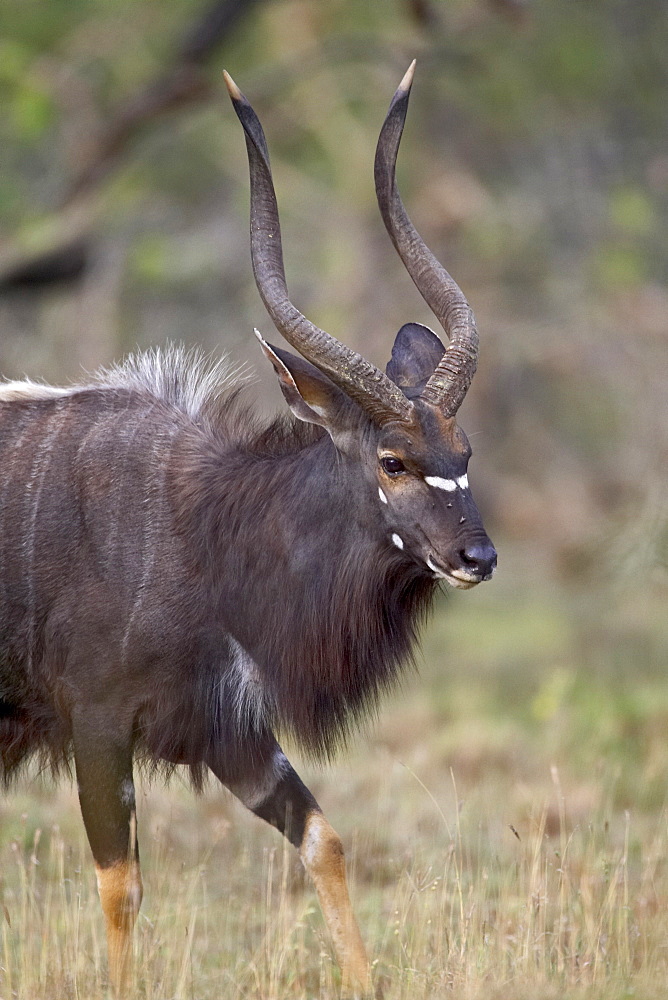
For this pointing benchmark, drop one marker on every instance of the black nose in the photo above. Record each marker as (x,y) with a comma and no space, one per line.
(480,558)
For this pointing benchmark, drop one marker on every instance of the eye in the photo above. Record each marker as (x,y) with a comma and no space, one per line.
(392,465)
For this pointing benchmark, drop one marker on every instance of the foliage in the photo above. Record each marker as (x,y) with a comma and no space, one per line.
(534,164)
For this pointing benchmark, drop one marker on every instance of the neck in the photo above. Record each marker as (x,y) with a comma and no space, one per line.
(306,582)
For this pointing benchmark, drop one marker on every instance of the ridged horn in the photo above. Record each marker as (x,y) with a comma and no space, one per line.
(449,383)
(371,389)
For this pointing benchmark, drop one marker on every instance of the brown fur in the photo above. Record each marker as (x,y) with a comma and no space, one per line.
(137,533)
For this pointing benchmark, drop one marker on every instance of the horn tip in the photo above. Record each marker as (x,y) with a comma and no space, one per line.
(407,80)
(232,88)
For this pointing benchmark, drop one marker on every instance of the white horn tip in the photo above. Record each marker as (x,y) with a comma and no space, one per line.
(232,88)
(408,77)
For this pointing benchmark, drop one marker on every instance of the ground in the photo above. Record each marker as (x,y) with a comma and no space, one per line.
(504,821)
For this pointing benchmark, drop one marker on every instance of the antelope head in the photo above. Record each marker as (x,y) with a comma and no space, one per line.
(399,426)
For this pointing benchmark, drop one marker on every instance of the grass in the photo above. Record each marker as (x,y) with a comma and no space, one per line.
(505,824)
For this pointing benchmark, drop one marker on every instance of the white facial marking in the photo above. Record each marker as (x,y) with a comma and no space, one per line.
(435,570)
(382,495)
(461,574)
(398,541)
(440,483)
(457,579)
(463,482)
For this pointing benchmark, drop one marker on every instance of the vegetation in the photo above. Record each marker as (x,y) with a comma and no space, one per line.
(506,832)
(506,816)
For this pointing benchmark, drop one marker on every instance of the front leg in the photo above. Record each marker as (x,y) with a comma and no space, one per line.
(103,759)
(321,851)
(275,793)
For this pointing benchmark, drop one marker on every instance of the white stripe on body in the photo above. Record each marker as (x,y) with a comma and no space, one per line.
(7,481)
(155,492)
(34,486)
(124,441)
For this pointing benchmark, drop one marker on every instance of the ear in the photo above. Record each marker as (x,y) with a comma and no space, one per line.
(311,396)
(416,352)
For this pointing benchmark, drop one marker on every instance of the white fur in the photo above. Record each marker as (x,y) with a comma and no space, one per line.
(24,390)
(34,485)
(250,694)
(398,541)
(254,792)
(441,484)
(159,464)
(457,579)
(463,482)
(187,379)
(382,495)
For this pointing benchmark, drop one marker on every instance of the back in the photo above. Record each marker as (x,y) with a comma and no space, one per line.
(95,580)
(81,505)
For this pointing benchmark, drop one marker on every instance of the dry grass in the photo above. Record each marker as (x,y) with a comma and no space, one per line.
(468,908)
(505,826)
(452,900)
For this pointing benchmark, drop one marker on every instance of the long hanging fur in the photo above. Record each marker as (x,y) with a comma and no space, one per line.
(326,652)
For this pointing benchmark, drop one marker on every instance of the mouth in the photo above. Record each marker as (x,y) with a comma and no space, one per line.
(457,578)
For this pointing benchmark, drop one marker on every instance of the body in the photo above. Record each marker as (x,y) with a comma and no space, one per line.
(148,532)
(180,585)
(146,540)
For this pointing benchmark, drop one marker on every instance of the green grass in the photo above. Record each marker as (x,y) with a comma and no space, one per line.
(505,825)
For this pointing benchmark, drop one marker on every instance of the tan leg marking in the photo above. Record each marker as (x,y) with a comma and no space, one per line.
(321,852)
(120,889)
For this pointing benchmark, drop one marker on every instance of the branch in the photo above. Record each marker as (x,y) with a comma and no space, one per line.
(184,83)
(66,257)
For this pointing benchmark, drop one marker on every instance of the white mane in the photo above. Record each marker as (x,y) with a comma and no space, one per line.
(189,380)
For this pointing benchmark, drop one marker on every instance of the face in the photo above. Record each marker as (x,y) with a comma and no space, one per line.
(425,498)
(417,469)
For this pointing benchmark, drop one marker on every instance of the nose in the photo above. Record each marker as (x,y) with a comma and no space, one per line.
(479,558)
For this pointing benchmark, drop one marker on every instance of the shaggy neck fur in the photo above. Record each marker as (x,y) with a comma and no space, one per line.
(306,580)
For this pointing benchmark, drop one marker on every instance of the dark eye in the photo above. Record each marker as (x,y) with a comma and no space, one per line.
(392,466)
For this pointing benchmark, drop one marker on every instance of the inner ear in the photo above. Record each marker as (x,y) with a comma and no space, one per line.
(313,397)
(416,353)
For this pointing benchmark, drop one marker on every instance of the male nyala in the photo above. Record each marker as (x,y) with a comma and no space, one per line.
(179,582)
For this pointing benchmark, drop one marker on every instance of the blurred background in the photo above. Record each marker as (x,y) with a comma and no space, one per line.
(535,165)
